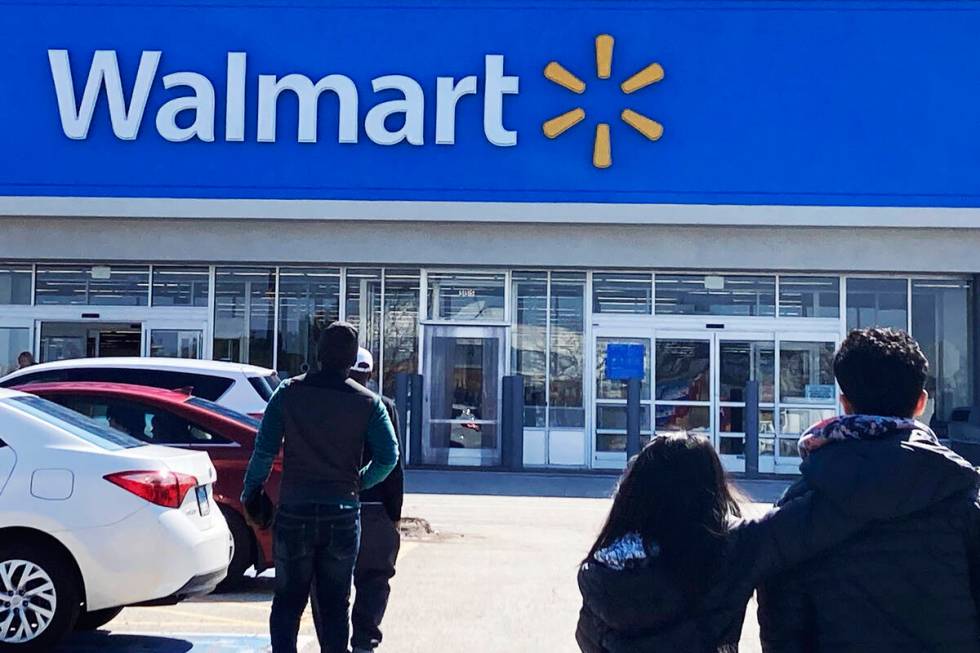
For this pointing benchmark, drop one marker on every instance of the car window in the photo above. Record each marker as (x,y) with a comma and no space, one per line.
(265,385)
(36,377)
(200,385)
(147,423)
(78,425)
(224,411)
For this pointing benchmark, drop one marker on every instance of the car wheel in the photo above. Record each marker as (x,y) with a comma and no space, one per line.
(40,597)
(244,555)
(96,619)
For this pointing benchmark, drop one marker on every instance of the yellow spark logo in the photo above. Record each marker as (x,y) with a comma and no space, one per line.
(602,148)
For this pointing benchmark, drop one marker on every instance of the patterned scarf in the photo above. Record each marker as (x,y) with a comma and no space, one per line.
(857,427)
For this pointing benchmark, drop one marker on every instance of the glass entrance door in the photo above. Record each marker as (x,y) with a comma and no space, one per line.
(463,370)
(175,338)
(16,338)
(806,392)
(65,340)
(695,382)
(742,358)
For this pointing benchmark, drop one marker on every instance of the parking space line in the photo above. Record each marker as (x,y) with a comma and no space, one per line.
(228,620)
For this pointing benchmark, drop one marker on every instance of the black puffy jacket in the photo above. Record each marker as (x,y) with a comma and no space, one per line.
(642,610)
(908,581)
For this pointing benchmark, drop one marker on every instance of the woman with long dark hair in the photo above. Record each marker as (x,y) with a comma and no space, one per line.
(674,565)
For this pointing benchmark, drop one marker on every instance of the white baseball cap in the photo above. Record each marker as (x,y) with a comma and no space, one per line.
(365,361)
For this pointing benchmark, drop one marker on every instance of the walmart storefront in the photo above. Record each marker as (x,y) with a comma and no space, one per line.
(495,188)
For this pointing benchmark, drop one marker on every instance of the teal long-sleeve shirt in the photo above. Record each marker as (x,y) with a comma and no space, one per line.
(380,437)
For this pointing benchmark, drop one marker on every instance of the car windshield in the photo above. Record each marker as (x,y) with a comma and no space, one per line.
(241,418)
(75,423)
(265,385)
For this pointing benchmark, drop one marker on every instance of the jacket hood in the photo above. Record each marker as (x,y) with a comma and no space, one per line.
(893,474)
(633,598)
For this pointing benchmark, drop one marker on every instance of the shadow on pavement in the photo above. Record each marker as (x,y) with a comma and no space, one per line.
(250,590)
(99,641)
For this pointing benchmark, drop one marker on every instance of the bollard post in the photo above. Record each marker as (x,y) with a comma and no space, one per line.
(415,419)
(633,417)
(402,384)
(752,428)
(512,423)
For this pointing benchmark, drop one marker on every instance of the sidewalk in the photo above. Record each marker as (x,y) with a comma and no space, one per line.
(543,484)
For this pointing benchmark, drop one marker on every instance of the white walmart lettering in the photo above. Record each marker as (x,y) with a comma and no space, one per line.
(387,122)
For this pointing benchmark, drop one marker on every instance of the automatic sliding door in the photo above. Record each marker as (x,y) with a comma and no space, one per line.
(682,381)
(807,391)
(610,404)
(741,359)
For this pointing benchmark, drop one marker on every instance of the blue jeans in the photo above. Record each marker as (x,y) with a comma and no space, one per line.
(315,550)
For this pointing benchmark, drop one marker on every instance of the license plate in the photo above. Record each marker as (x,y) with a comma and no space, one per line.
(203,505)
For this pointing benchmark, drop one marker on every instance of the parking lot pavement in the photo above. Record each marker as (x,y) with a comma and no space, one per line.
(498,575)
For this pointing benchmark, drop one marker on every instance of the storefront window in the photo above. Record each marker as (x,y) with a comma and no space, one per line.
(463,296)
(529,343)
(621,293)
(12,343)
(15,284)
(401,324)
(309,300)
(178,286)
(809,297)
(877,303)
(567,355)
(97,285)
(941,325)
(243,315)
(363,303)
(696,294)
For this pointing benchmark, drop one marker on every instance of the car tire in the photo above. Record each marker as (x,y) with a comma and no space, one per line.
(48,579)
(96,619)
(244,554)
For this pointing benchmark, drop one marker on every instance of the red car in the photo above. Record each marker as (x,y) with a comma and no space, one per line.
(177,419)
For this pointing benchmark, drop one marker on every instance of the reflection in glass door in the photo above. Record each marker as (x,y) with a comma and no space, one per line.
(807,391)
(14,340)
(176,343)
(610,402)
(463,370)
(741,359)
(682,378)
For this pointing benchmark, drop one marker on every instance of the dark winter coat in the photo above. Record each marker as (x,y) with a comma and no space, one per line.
(644,610)
(908,581)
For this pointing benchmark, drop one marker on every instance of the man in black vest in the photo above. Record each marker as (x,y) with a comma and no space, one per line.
(323,421)
(381,508)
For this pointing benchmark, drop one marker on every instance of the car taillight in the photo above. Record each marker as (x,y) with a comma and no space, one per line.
(257,416)
(166,489)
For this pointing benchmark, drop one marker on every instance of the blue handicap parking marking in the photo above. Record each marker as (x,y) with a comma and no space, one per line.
(165,643)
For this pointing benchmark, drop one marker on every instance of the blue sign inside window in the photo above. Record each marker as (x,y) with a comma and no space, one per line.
(625,360)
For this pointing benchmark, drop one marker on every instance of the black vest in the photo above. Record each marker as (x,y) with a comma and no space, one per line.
(325,419)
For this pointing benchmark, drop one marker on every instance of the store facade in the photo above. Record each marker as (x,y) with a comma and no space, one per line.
(489,190)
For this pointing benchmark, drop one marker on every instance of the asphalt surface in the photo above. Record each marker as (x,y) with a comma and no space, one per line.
(498,575)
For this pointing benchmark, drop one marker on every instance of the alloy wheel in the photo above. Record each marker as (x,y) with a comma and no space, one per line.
(27,601)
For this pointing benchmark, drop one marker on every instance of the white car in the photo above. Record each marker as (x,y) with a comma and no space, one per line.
(245,388)
(92,520)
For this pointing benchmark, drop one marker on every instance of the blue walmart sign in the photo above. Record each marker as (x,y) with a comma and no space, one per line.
(735,102)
